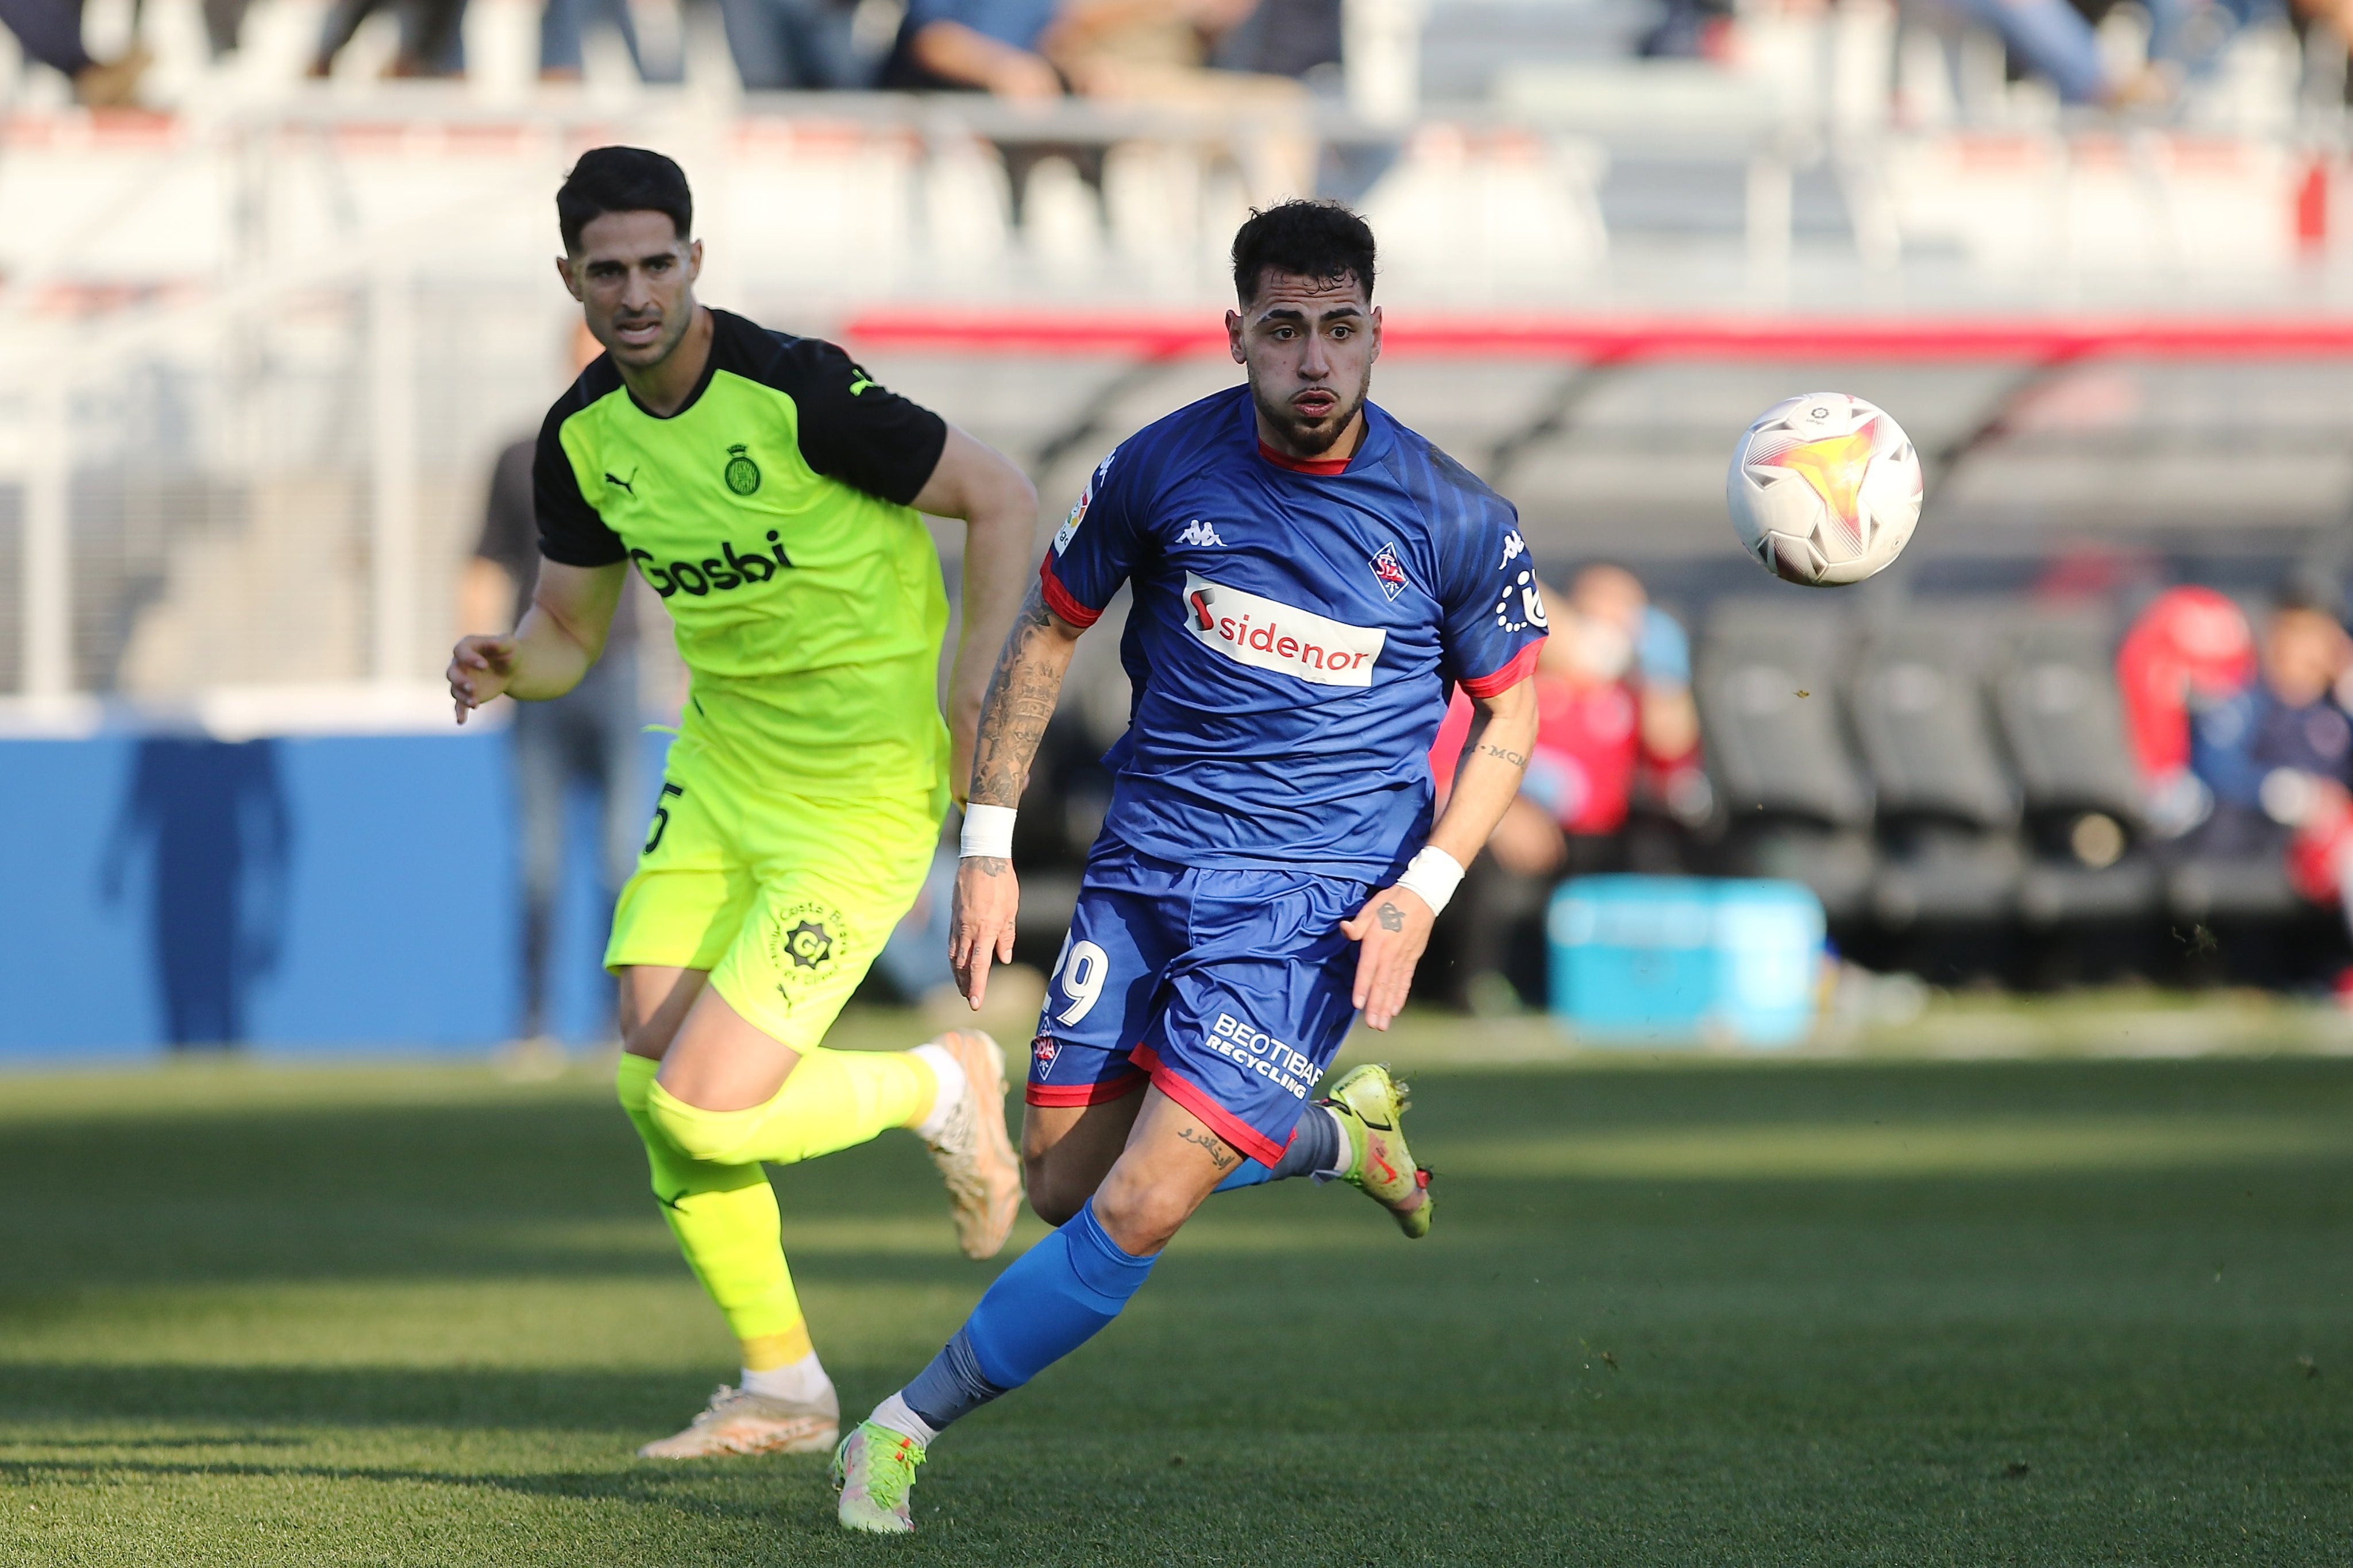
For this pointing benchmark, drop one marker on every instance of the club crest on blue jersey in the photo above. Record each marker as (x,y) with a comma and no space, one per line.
(1043,1050)
(1391,574)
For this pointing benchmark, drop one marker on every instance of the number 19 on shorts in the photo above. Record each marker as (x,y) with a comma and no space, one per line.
(1079,975)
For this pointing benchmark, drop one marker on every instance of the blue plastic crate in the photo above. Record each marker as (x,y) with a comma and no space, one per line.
(1687,959)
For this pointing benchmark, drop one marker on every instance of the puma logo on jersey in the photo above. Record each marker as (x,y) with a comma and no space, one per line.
(1199,532)
(1267,635)
(613,478)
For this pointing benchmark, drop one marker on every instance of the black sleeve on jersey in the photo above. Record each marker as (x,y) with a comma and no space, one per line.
(856,431)
(570,531)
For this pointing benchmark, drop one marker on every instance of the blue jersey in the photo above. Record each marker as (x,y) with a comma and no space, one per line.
(1294,630)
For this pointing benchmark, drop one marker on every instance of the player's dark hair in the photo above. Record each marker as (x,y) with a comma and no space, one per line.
(1322,240)
(622,180)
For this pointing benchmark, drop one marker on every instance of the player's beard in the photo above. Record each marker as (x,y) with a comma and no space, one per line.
(675,323)
(1313,438)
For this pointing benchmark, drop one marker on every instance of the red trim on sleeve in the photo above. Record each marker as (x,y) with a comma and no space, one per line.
(1195,1098)
(1059,599)
(1522,664)
(1327,467)
(1102,1093)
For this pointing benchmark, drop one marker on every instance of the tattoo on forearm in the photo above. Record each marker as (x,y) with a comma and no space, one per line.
(989,865)
(1517,759)
(1209,1145)
(1015,712)
(1391,916)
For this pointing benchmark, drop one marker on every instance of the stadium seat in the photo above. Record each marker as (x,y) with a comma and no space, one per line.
(1794,804)
(1948,812)
(2052,683)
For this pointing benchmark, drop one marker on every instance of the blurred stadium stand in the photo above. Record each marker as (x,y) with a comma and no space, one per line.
(266,336)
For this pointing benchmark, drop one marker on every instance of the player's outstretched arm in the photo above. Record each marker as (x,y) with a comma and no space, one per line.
(561,636)
(1000,509)
(1393,927)
(1013,719)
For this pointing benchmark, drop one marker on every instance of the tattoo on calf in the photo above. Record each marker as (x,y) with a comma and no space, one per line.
(1210,1144)
(1391,916)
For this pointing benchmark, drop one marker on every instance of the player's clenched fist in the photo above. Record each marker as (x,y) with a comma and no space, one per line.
(478,670)
(1390,931)
(987,899)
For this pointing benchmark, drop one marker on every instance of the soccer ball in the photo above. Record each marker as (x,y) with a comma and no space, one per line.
(1824,490)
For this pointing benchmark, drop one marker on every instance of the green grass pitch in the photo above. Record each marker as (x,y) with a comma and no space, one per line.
(2024,1313)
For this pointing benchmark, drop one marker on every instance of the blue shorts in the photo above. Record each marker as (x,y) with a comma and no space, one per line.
(1230,990)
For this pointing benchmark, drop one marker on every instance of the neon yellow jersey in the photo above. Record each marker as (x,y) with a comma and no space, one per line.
(770,513)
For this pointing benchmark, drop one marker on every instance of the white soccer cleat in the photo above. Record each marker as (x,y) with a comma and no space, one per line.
(739,1422)
(971,1149)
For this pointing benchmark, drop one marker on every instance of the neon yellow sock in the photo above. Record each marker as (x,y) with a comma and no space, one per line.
(725,1220)
(831,1099)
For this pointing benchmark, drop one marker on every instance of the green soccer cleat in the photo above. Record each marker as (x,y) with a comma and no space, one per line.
(1371,1105)
(874,1469)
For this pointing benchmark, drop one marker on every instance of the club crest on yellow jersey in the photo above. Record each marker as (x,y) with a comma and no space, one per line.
(743,475)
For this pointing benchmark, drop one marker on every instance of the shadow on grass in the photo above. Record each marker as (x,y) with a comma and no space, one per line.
(631,1406)
(710,1490)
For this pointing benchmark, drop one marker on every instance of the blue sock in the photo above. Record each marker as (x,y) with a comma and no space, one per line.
(1053,1299)
(1314,1148)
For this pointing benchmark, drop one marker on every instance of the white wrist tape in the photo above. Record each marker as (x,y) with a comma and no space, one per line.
(989,830)
(1433,874)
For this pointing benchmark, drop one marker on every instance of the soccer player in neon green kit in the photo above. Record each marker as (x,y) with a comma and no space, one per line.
(769,491)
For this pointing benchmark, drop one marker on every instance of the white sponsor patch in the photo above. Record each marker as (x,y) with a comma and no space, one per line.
(1270,636)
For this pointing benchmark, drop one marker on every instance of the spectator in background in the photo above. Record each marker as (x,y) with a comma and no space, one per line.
(563,30)
(1615,719)
(783,46)
(432,41)
(991,45)
(2277,757)
(1038,49)
(2189,650)
(589,737)
(49,32)
(1295,38)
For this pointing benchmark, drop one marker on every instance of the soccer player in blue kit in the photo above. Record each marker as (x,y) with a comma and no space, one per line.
(1309,577)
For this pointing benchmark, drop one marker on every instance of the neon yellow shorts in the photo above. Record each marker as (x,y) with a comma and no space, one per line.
(785,899)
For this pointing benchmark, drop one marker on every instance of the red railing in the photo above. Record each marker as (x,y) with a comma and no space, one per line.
(1161,334)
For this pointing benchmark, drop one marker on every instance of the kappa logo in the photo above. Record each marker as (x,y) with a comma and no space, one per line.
(1268,635)
(1513,548)
(1391,574)
(1199,532)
